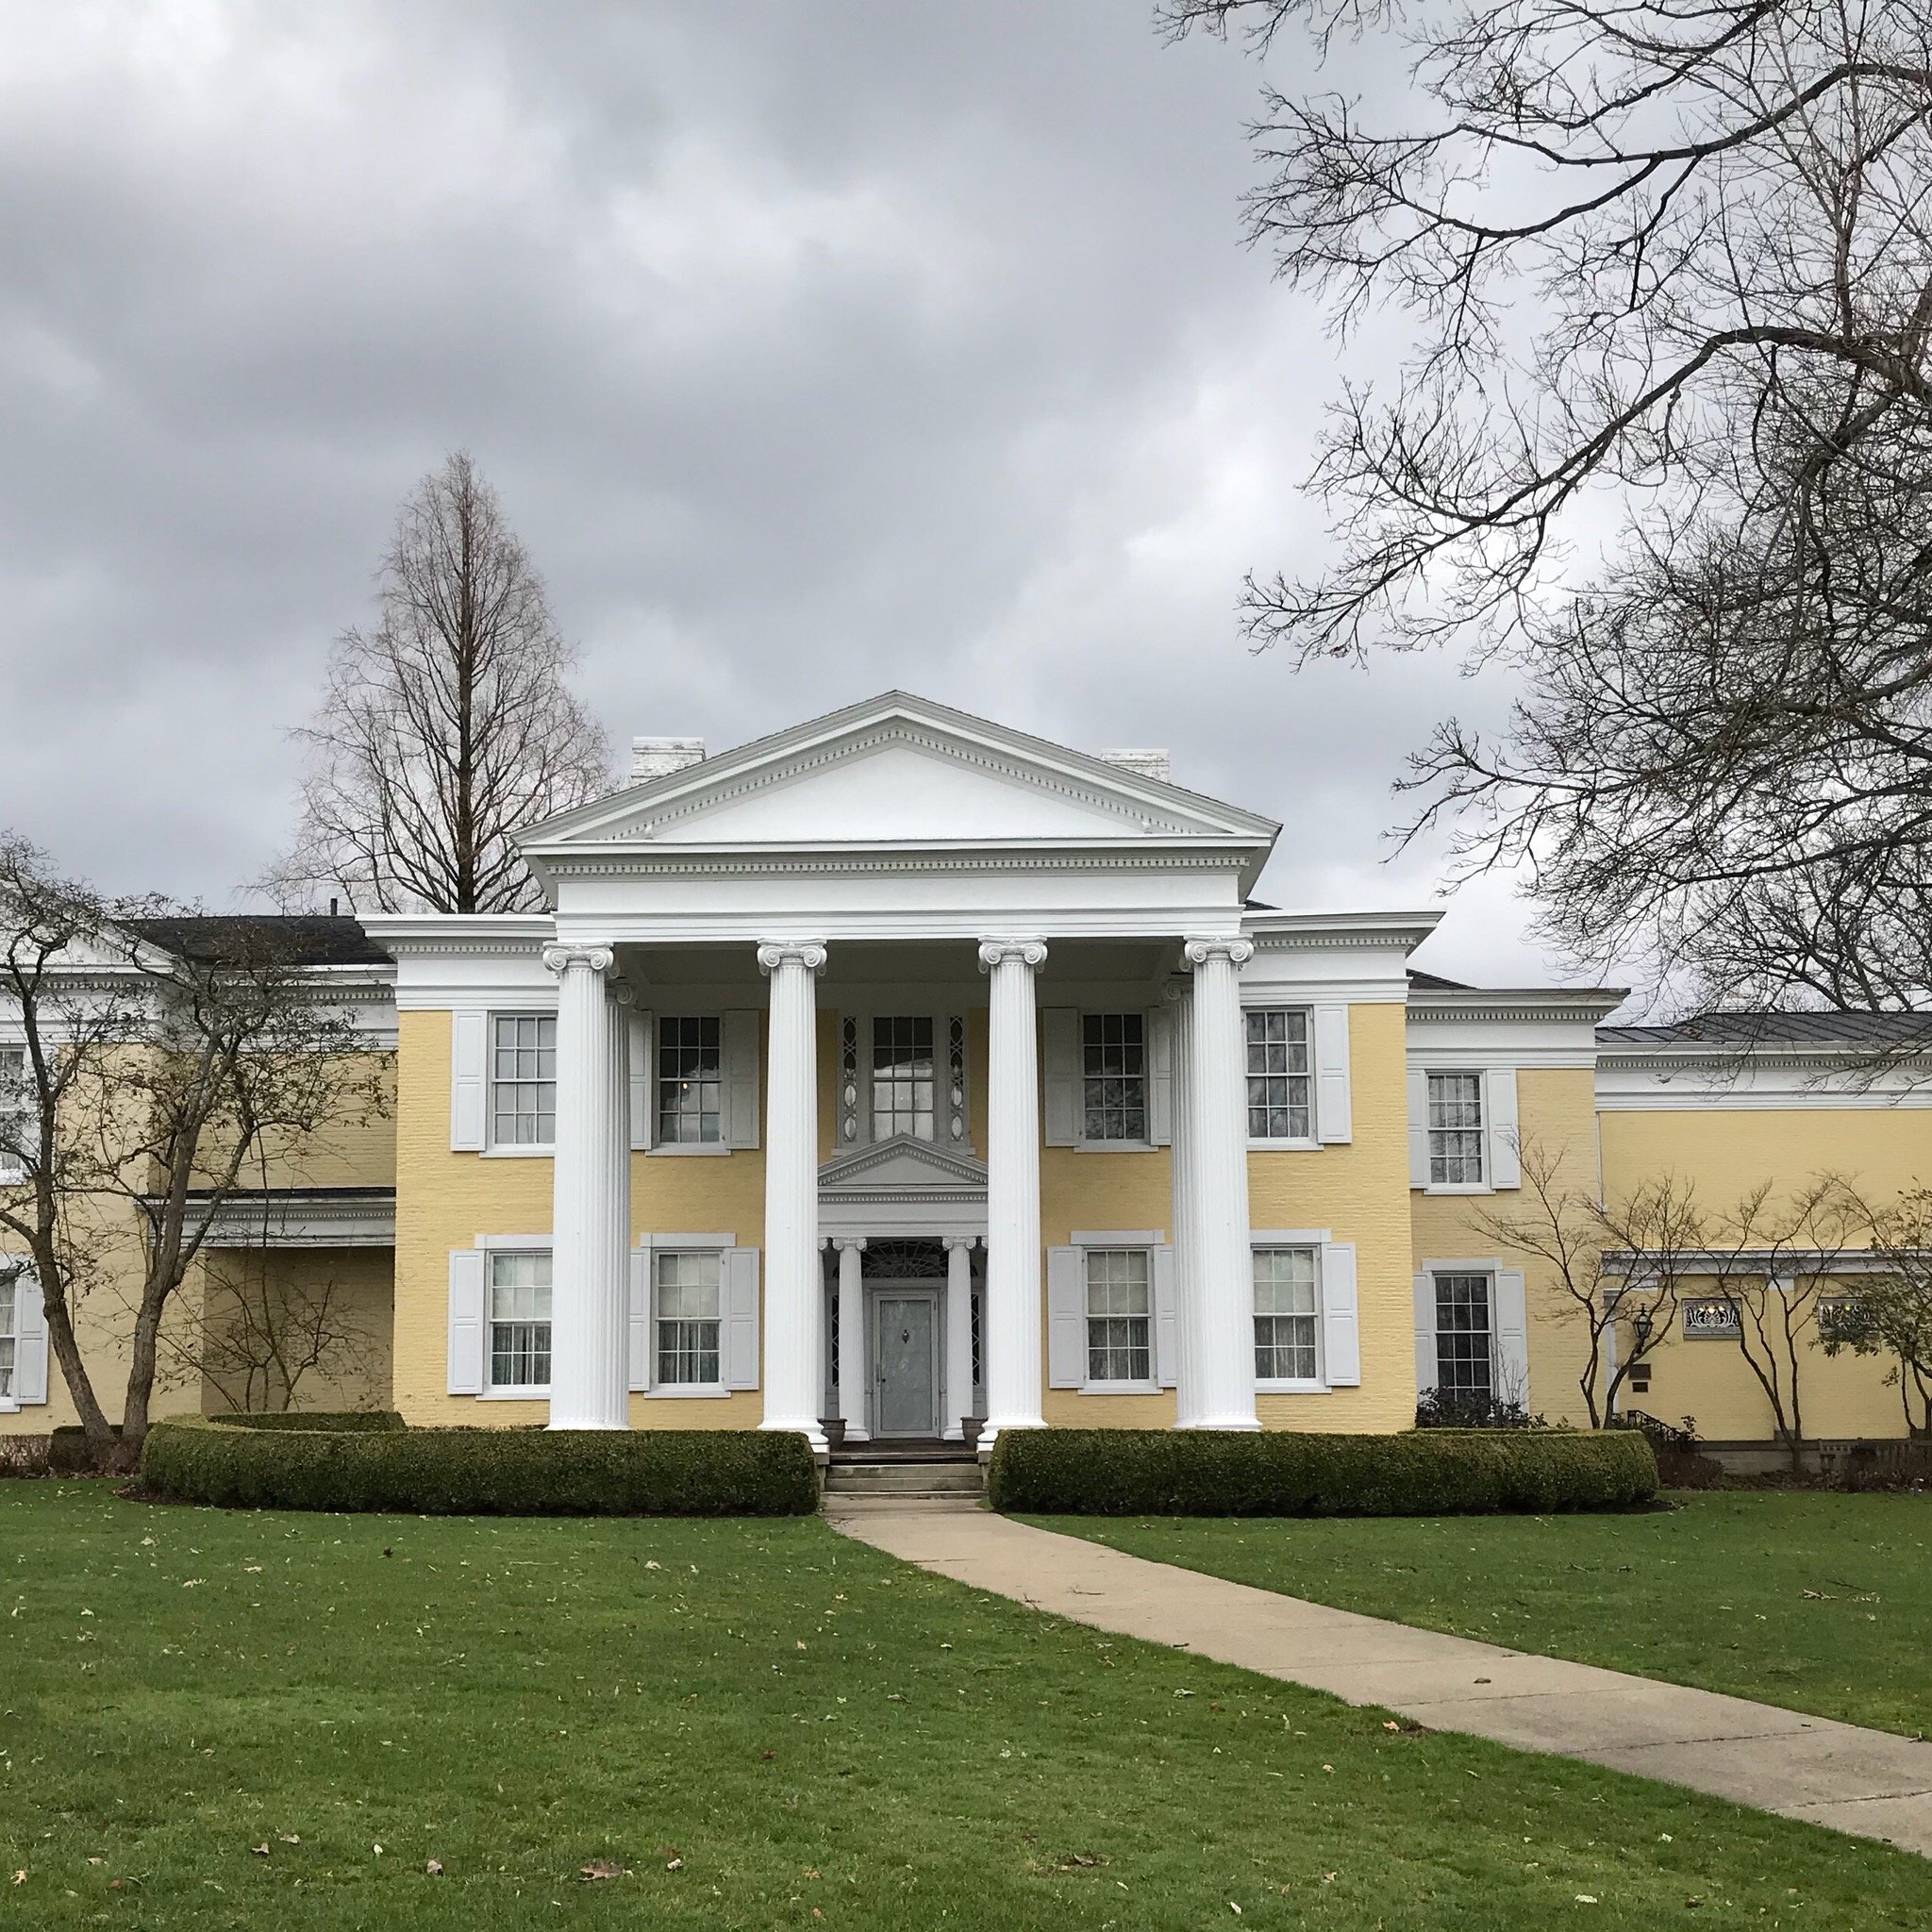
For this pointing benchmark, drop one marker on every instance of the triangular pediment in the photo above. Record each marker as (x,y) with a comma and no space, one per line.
(903,1162)
(895,770)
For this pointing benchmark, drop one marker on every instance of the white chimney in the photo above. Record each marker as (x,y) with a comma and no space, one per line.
(1146,761)
(657,757)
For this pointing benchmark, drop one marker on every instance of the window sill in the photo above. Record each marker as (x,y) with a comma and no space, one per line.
(9,1406)
(1121,1388)
(1285,1146)
(1119,1146)
(687,1149)
(532,1153)
(541,1394)
(1458,1187)
(1291,1389)
(688,1392)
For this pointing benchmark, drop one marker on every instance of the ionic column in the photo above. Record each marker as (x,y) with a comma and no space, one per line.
(1189,1404)
(1011,1336)
(794,1344)
(851,1364)
(588,1378)
(1223,1291)
(959,1333)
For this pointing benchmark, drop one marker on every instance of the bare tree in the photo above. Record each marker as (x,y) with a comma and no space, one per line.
(258,1339)
(1618,1267)
(448,727)
(1677,258)
(160,1056)
(1774,1258)
(1889,1310)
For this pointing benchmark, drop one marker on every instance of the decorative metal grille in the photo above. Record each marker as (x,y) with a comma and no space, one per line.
(904,1260)
(848,1081)
(955,1081)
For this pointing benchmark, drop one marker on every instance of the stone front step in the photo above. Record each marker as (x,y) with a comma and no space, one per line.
(848,1478)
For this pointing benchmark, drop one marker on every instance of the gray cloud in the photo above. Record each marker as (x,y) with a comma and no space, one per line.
(815,350)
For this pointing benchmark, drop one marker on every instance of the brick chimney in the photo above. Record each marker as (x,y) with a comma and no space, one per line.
(657,757)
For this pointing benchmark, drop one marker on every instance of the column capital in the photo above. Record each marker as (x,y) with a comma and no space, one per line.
(1178,988)
(959,1240)
(843,1242)
(993,953)
(1237,952)
(593,958)
(810,953)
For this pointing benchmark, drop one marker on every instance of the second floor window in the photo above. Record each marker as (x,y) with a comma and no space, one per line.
(1120,1343)
(1113,1068)
(520,1320)
(1278,1108)
(1455,1130)
(522,1080)
(903,1077)
(691,1084)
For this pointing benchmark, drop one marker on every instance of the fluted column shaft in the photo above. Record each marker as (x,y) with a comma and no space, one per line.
(1189,1400)
(959,1333)
(1223,1291)
(852,1352)
(1011,1339)
(795,1341)
(588,1378)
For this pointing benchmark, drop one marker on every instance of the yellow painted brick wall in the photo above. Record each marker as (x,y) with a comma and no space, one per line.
(358,1287)
(1727,1152)
(1557,1116)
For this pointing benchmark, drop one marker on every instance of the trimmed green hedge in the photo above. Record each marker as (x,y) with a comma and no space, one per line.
(353,1421)
(1284,1473)
(484,1471)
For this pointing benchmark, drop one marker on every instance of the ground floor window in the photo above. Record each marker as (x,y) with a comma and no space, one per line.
(1287,1316)
(688,1290)
(1119,1316)
(1465,1363)
(520,1320)
(9,1332)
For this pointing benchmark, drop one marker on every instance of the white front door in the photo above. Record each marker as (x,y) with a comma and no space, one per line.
(905,1362)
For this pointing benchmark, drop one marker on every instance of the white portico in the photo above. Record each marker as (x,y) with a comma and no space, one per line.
(936,883)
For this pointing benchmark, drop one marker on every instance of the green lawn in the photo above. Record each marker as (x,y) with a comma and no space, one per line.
(1822,1602)
(768,1727)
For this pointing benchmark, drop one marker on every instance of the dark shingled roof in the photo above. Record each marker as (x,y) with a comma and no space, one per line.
(297,939)
(1434,982)
(1745,1029)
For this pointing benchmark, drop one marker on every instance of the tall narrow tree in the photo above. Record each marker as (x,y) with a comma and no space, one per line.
(447,726)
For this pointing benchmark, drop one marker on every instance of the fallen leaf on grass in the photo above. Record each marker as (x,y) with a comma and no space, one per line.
(259,1851)
(290,1837)
(1076,1861)
(601,1868)
(434,1868)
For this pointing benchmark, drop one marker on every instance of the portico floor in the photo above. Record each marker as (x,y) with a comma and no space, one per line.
(1870,1783)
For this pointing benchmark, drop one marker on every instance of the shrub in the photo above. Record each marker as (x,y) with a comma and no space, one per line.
(1283,1473)
(69,1453)
(26,1456)
(484,1471)
(1463,1408)
(354,1421)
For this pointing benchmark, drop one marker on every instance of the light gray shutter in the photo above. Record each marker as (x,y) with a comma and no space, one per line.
(1513,1337)
(1341,1340)
(643,1086)
(639,1322)
(29,1341)
(1333,1112)
(741,1318)
(739,1032)
(467,1328)
(1066,1318)
(1160,1076)
(1418,1128)
(1166,1341)
(469,1080)
(1427,1371)
(1506,1163)
(1060,1029)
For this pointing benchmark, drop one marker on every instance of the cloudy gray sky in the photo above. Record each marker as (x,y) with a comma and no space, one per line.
(815,348)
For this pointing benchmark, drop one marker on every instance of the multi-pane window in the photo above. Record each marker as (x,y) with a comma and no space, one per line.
(520,1320)
(1278,1079)
(1455,1130)
(10,1303)
(16,1124)
(903,1077)
(1286,1315)
(1119,1316)
(689,1287)
(522,1080)
(690,1079)
(1113,1067)
(1464,1363)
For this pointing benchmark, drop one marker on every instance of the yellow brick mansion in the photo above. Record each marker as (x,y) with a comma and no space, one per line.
(903,1075)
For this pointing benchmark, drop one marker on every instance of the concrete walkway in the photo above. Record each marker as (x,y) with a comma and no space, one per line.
(1868,1782)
